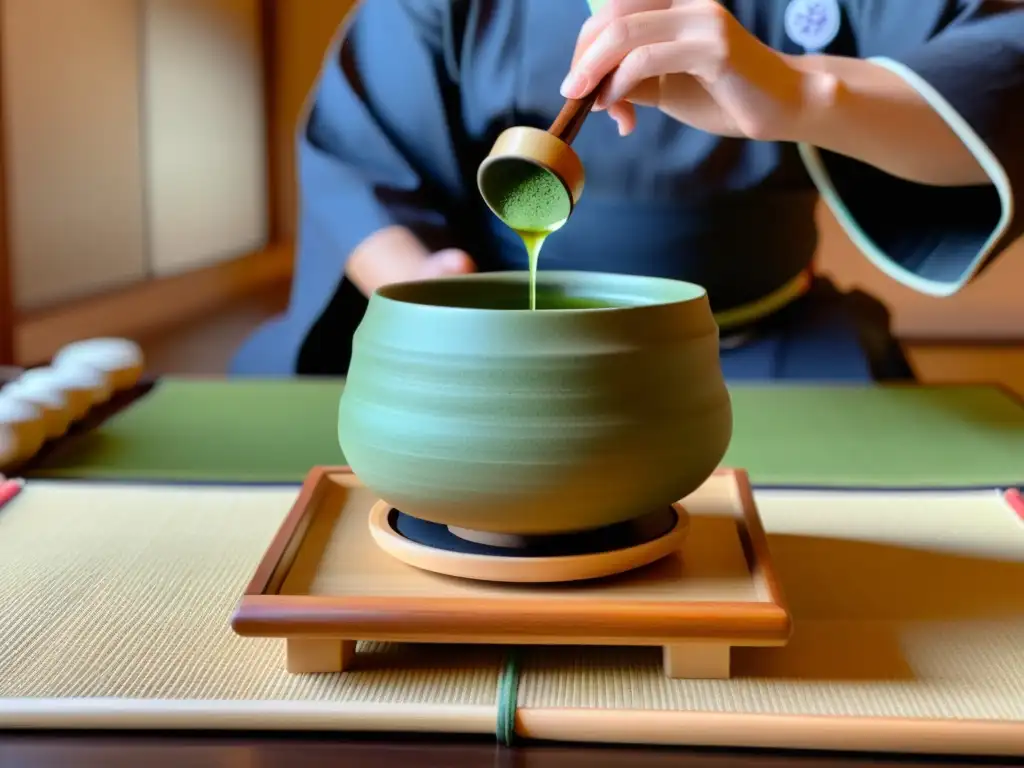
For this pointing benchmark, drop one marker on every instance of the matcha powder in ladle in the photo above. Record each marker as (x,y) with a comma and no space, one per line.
(532,201)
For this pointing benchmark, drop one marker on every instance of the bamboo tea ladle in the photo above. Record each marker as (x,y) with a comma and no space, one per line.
(551,149)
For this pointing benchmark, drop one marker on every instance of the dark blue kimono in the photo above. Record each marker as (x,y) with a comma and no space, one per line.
(414,92)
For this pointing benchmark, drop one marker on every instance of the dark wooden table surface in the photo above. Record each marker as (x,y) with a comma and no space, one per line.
(134,750)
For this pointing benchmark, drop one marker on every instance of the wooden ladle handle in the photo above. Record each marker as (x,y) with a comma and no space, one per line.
(575,111)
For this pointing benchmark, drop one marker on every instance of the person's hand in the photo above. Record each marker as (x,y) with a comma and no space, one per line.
(692,60)
(446,263)
(395,255)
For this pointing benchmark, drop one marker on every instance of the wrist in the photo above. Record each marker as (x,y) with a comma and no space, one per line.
(821,96)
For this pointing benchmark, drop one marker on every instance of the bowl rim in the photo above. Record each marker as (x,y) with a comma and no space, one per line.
(697,293)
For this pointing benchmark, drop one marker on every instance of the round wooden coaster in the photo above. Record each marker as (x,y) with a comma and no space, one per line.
(570,557)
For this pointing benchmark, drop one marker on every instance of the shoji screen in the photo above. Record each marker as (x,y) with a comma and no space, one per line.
(135,140)
(204,131)
(74,167)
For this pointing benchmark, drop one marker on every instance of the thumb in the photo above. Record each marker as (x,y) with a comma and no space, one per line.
(451,261)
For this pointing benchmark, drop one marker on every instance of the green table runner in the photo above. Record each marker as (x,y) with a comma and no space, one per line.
(938,437)
(274,431)
(231,431)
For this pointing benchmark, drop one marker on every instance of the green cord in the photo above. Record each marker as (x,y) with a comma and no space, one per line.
(508,697)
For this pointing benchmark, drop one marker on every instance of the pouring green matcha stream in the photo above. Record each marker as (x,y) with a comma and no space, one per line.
(533,202)
(532,178)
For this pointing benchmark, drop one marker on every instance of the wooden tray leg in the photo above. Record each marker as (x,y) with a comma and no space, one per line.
(307,656)
(696,661)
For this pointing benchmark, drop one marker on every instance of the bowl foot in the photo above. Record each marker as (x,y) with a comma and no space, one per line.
(488,539)
(485,556)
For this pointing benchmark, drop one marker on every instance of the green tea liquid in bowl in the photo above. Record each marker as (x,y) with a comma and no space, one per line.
(462,407)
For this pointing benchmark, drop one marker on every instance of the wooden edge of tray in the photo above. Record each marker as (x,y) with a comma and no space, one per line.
(263,613)
(754,540)
(287,541)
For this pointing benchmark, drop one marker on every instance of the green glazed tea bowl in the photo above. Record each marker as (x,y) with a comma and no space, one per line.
(464,407)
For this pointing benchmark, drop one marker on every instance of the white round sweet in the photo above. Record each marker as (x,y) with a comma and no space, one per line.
(97,381)
(16,411)
(79,389)
(25,420)
(121,359)
(47,395)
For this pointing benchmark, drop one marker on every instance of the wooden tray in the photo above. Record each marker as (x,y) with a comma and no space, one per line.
(324,584)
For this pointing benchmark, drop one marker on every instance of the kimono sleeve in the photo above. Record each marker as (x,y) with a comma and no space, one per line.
(966,58)
(376,147)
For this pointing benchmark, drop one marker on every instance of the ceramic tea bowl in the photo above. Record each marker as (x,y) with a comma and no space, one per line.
(465,408)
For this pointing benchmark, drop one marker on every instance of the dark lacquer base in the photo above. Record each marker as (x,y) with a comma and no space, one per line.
(631,533)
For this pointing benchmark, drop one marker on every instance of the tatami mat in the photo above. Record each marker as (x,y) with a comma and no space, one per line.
(127,591)
(908,607)
(904,605)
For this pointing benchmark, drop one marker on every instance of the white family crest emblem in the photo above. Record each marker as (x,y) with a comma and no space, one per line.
(813,24)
